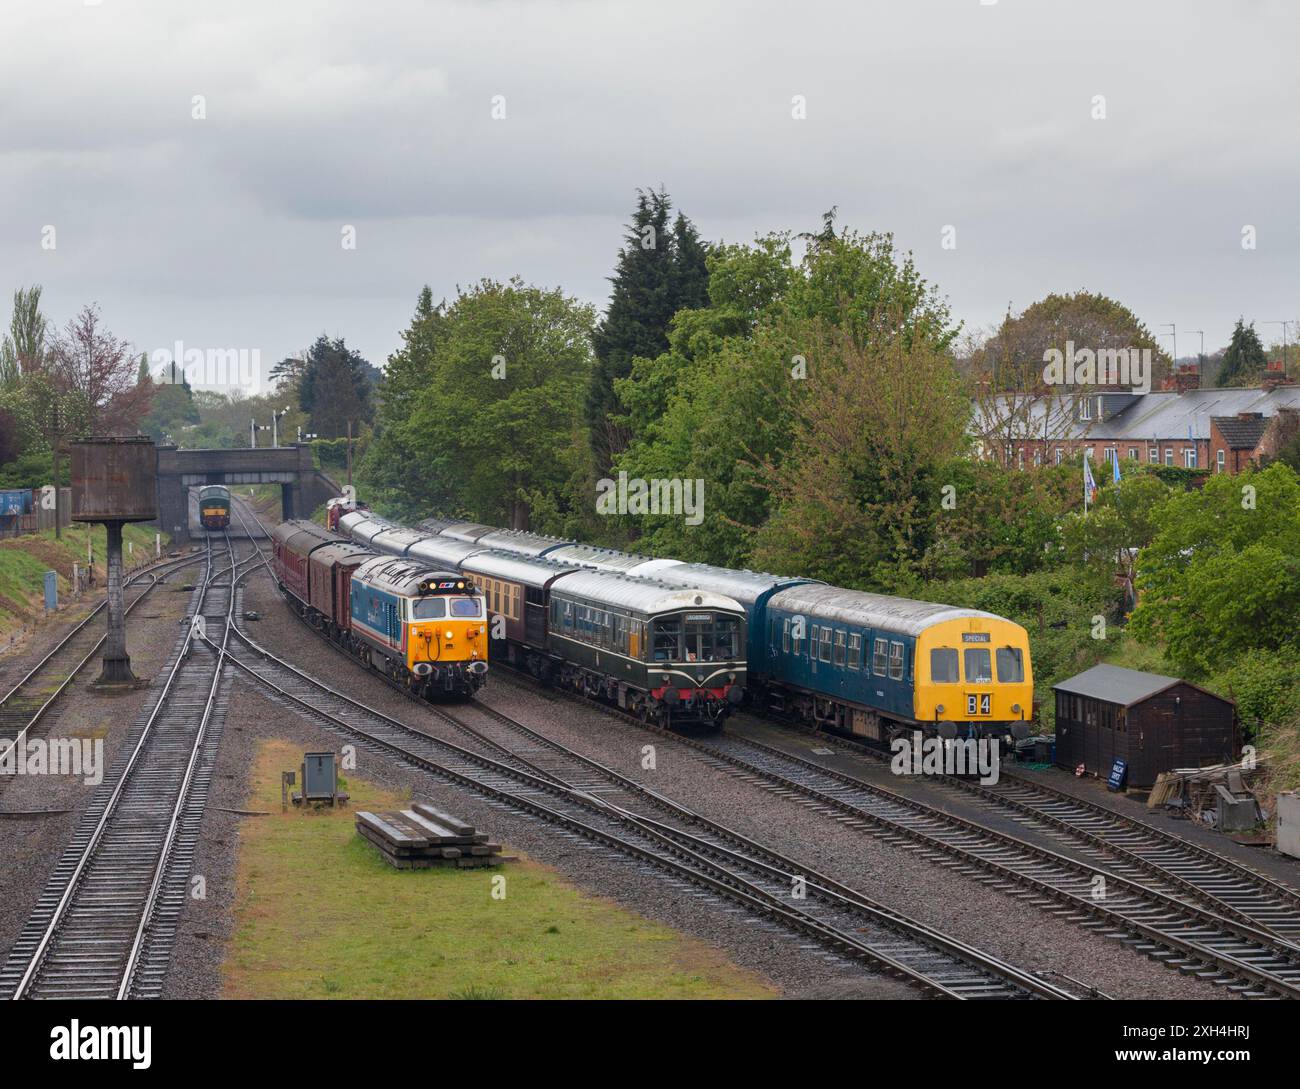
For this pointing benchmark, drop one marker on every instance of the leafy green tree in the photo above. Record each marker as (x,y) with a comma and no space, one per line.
(1222,575)
(660,270)
(731,384)
(22,351)
(1244,360)
(335,387)
(484,409)
(1124,519)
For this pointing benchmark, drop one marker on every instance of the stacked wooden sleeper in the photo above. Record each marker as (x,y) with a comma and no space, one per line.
(423,836)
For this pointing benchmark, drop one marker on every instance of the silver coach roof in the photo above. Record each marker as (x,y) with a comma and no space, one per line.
(436,525)
(523,569)
(638,595)
(899,614)
(366,528)
(396,540)
(744,586)
(520,542)
(466,531)
(442,551)
(603,559)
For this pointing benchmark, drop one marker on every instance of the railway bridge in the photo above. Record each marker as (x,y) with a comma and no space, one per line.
(302,486)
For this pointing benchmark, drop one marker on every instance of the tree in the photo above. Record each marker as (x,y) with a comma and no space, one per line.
(660,270)
(481,408)
(95,374)
(1222,575)
(731,383)
(1014,400)
(1244,360)
(23,350)
(335,388)
(1123,520)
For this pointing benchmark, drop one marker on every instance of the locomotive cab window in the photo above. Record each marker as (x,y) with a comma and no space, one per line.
(668,640)
(943,665)
(466,607)
(428,608)
(1011,665)
(979,665)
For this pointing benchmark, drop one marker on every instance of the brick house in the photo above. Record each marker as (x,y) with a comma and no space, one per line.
(1182,426)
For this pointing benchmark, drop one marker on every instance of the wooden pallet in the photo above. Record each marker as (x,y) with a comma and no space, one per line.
(422,837)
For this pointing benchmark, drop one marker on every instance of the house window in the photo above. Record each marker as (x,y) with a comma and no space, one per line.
(1219,462)
(1085,409)
(1132,453)
(1154,455)
(1189,458)
(1169,455)
(1038,457)
(1058,455)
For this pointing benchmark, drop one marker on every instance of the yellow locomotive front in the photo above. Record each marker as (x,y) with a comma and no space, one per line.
(975,672)
(446,631)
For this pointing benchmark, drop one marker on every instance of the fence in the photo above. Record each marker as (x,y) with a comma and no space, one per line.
(21,512)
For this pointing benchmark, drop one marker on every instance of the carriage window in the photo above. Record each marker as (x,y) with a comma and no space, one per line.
(979,665)
(568,616)
(855,651)
(826,645)
(840,638)
(813,636)
(668,640)
(785,636)
(943,665)
(1011,666)
(469,607)
(896,661)
(726,638)
(796,638)
(428,608)
(880,657)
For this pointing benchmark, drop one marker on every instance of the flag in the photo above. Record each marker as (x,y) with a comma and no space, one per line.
(1114,465)
(1089,485)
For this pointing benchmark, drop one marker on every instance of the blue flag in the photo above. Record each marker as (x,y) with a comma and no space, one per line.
(1114,464)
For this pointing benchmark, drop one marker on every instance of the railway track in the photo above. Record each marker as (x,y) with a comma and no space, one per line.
(527,771)
(1145,913)
(105,923)
(31,700)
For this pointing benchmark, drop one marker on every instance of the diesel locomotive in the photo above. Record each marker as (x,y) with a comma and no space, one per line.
(214,507)
(870,665)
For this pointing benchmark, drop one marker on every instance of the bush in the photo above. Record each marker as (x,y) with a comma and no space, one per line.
(1266,686)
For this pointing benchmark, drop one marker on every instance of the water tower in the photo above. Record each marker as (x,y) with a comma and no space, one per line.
(115,481)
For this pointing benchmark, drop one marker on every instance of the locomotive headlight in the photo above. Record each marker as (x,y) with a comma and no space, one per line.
(939,708)
(1015,708)
(450,634)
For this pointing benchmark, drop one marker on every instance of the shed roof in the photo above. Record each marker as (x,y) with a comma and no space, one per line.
(1114,684)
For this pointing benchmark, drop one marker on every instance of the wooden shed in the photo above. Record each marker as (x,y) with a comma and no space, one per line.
(1154,723)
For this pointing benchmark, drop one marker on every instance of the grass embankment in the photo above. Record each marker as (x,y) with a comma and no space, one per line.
(24,561)
(319,915)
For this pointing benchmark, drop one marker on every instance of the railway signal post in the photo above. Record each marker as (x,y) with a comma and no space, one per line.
(114,481)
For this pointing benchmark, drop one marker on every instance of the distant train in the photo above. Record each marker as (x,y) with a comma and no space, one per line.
(866,664)
(423,627)
(214,506)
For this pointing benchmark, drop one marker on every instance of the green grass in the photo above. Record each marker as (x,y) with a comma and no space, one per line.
(319,915)
(24,561)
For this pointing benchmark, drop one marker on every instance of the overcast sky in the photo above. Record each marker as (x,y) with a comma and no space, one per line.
(226,232)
